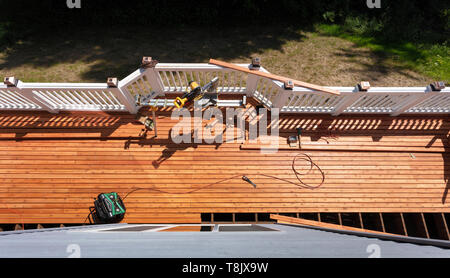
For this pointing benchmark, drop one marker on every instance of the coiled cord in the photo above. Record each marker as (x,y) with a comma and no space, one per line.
(300,183)
(298,175)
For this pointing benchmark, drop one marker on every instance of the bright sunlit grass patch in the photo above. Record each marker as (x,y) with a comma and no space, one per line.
(430,59)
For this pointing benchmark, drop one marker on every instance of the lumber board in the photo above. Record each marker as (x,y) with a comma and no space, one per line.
(274,77)
(300,221)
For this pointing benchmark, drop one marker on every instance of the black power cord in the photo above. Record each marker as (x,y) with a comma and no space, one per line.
(244,177)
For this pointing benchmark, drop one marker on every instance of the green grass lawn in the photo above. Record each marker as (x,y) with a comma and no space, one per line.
(432,60)
(324,55)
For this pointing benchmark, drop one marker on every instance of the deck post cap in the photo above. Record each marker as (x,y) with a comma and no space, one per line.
(288,85)
(255,63)
(10,81)
(112,82)
(437,86)
(148,62)
(363,85)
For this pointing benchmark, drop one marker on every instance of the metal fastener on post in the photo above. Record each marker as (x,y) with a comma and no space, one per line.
(10,81)
(256,63)
(148,62)
(112,82)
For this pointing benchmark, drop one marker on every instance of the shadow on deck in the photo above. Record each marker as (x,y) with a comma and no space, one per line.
(426,132)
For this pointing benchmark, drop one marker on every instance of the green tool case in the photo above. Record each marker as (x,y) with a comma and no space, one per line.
(109,208)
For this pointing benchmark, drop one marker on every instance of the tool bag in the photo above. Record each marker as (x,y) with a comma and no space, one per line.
(109,208)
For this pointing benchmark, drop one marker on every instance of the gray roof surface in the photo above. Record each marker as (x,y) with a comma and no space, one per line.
(286,242)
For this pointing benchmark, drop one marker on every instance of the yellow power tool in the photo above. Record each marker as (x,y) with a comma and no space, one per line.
(195,92)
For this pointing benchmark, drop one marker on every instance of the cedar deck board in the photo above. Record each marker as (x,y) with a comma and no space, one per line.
(52,166)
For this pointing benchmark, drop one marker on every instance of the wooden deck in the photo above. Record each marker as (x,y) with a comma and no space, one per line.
(52,167)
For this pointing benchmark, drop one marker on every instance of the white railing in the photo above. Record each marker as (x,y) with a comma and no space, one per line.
(383,100)
(55,97)
(171,78)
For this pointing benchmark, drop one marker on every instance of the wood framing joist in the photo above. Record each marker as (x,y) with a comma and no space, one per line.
(300,221)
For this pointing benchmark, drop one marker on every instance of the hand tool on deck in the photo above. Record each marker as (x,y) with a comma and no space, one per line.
(249,181)
(196,92)
(294,141)
(146,121)
(149,123)
(274,77)
(299,136)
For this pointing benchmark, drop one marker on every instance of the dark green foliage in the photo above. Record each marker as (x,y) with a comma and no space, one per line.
(410,19)
(397,20)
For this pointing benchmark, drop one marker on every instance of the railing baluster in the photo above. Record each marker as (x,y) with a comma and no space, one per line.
(181,82)
(116,102)
(281,98)
(167,80)
(81,98)
(7,101)
(154,78)
(49,97)
(74,98)
(87,98)
(28,95)
(110,102)
(14,98)
(413,102)
(252,83)
(187,79)
(11,99)
(102,101)
(197,75)
(126,99)
(346,102)
(173,80)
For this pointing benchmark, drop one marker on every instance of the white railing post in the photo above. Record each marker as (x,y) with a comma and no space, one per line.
(252,84)
(349,100)
(418,99)
(282,97)
(126,99)
(123,95)
(155,81)
(30,96)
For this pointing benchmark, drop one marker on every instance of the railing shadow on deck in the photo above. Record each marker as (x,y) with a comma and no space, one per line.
(76,125)
(331,128)
(318,127)
(102,126)
(170,148)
